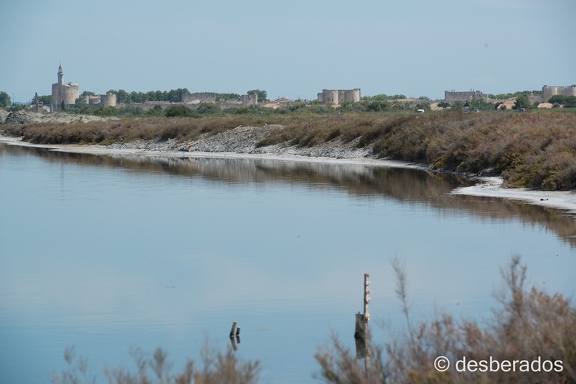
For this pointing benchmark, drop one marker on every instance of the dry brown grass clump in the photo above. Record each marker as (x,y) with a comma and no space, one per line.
(217,368)
(126,130)
(534,331)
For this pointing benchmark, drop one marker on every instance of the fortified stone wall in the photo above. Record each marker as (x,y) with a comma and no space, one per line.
(451,96)
(207,97)
(338,96)
(551,90)
(67,93)
(251,99)
(108,100)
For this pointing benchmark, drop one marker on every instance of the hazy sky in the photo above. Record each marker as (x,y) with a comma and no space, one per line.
(289,48)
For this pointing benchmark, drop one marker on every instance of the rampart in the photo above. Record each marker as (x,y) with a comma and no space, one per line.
(451,96)
(206,97)
(251,99)
(338,96)
(551,90)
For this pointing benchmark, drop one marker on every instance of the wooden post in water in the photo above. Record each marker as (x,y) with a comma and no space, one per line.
(366,297)
(233,329)
(361,330)
(363,318)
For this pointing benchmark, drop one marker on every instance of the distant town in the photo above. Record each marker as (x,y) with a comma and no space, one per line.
(67,96)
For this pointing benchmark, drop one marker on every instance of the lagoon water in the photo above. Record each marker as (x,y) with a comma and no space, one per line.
(105,254)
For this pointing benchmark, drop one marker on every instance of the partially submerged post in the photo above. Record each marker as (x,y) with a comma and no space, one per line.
(361,329)
(235,330)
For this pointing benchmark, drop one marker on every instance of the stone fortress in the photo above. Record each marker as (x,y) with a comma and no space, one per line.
(107,100)
(551,90)
(338,96)
(66,94)
(63,94)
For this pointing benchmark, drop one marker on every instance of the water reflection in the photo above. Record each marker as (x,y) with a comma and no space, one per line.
(361,181)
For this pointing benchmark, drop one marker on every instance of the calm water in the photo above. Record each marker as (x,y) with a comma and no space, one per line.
(107,254)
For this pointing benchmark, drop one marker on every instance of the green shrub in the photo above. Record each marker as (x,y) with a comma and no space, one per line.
(179,110)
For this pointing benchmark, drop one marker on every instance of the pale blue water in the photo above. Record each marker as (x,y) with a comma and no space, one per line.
(107,254)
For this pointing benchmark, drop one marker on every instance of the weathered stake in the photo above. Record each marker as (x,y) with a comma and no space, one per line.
(361,329)
(233,329)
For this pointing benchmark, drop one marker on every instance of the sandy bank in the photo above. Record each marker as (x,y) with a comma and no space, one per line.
(486,186)
(492,187)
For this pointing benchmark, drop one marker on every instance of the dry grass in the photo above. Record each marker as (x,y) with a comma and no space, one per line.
(217,368)
(126,130)
(529,325)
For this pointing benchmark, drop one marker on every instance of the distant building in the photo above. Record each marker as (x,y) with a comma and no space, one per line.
(550,90)
(63,93)
(451,96)
(107,100)
(338,96)
(280,102)
(251,99)
(199,97)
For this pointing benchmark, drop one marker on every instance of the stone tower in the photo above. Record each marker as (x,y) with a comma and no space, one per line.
(63,93)
(60,74)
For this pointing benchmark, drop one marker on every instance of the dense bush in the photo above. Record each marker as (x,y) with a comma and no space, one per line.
(179,110)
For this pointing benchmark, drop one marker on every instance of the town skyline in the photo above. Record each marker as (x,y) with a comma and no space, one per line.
(290,50)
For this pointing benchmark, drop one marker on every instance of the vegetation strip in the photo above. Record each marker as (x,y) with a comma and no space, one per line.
(533,150)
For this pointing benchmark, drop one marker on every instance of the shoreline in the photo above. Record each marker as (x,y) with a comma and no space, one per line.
(485,186)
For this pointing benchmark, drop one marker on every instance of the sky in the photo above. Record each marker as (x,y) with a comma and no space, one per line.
(291,49)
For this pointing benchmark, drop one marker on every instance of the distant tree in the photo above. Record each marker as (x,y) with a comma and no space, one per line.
(457,106)
(87,93)
(380,97)
(262,95)
(570,102)
(228,96)
(398,106)
(45,99)
(122,96)
(443,104)
(560,99)
(161,96)
(377,106)
(481,105)
(106,111)
(175,95)
(4,99)
(208,109)
(396,97)
(522,102)
(424,105)
(151,95)
(156,111)
(426,98)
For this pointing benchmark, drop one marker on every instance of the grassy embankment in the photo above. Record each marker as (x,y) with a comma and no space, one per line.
(534,150)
